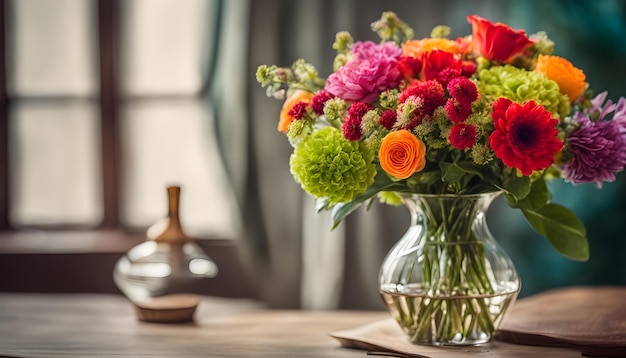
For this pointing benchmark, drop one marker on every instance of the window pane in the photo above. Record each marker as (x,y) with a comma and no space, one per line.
(167,142)
(55,163)
(163,46)
(52,46)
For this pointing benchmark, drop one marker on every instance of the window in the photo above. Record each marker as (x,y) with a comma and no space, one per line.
(102,105)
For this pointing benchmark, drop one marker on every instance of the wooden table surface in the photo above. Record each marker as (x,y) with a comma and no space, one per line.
(91,325)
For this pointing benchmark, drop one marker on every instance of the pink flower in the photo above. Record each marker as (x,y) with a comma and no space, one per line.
(368,50)
(373,69)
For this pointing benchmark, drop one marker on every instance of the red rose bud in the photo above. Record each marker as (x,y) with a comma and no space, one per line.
(497,42)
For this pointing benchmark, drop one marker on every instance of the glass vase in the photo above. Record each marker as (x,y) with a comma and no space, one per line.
(447,281)
(159,276)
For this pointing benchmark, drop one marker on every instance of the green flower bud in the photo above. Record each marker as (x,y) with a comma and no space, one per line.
(343,42)
(335,109)
(440,31)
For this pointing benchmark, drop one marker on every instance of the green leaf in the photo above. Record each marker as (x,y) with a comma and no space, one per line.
(515,188)
(562,228)
(424,178)
(451,173)
(470,168)
(538,197)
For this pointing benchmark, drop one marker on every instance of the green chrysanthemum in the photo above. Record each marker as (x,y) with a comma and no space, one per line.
(520,86)
(327,165)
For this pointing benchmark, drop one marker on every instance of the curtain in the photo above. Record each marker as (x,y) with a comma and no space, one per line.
(297,260)
(293,258)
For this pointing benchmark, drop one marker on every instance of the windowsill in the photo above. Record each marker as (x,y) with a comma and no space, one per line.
(67,242)
(83,261)
(77,242)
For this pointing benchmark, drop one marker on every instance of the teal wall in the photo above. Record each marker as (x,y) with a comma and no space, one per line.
(591,34)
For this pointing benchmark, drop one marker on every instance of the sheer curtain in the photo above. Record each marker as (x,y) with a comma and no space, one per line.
(294,257)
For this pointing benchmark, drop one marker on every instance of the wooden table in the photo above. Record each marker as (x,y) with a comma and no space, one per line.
(93,325)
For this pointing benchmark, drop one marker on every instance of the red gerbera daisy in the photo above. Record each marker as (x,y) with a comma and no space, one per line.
(525,136)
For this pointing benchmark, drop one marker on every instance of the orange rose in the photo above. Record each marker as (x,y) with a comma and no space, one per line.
(570,79)
(416,48)
(296,97)
(401,154)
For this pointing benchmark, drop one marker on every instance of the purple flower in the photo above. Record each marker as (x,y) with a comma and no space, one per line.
(598,148)
(372,70)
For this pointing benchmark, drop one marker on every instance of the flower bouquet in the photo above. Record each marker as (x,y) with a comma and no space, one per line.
(491,112)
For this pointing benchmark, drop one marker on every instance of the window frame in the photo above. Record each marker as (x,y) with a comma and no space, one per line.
(60,258)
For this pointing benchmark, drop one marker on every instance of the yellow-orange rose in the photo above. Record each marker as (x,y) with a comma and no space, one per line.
(285,118)
(401,154)
(415,48)
(570,79)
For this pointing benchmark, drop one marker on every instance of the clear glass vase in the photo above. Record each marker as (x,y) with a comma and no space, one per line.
(160,275)
(447,281)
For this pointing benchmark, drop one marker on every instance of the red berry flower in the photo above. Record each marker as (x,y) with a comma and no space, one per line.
(462,136)
(351,128)
(525,136)
(463,90)
(388,119)
(431,92)
(358,109)
(319,100)
(458,111)
(298,110)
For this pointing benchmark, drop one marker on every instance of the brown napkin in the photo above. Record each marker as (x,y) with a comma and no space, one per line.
(590,319)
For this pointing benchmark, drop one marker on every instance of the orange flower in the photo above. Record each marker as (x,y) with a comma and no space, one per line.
(416,48)
(570,79)
(296,97)
(401,154)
